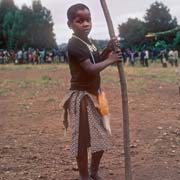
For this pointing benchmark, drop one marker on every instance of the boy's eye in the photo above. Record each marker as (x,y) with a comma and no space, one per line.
(80,21)
(83,20)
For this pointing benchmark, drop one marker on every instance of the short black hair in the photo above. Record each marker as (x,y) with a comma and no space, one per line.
(72,11)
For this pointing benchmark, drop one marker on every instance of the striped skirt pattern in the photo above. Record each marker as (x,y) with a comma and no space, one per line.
(86,123)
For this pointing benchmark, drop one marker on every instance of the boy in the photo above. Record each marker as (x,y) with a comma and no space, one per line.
(85,64)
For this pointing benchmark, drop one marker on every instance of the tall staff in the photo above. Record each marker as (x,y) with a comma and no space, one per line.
(128,174)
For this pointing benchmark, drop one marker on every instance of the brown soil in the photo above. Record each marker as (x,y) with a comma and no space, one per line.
(33,145)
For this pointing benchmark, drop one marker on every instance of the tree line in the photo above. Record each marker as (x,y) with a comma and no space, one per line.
(26,27)
(156,19)
(33,27)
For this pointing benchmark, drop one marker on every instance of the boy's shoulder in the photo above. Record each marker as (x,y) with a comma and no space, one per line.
(73,40)
(74,43)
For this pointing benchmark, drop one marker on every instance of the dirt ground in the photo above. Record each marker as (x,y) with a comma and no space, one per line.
(32,141)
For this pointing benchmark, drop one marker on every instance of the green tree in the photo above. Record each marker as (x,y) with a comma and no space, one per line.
(42,27)
(26,14)
(26,27)
(133,31)
(7,28)
(5,7)
(15,29)
(176,41)
(158,18)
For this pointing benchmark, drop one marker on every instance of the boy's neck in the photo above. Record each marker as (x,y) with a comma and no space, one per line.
(85,38)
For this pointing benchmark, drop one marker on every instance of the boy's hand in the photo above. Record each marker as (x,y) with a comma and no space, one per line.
(115,57)
(113,42)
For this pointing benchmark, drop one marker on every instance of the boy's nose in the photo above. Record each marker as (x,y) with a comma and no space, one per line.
(86,23)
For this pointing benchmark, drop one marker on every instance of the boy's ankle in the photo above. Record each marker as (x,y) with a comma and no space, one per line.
(84,178)
(96,176)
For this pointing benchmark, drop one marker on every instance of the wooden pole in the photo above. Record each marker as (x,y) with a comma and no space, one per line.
(126,136)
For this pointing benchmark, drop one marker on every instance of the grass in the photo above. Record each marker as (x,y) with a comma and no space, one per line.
(3,92)
(50,100)
(48,67)
(140,86)
(135,75)
(43,81)
(138,77)
(165,75)
(23,83)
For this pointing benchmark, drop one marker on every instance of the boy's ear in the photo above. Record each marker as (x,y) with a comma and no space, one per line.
(69,24)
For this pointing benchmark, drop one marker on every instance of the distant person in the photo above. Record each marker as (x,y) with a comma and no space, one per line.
(12,56)
(163,57)
(1,57)
(142,55)
(132,57)
(171,57)
(25,57)
(20,56)
(85,65)
(146,58)
(42,56)
(176,56)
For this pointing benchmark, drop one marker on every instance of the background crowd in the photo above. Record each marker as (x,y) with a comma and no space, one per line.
(32,56)
(131,57)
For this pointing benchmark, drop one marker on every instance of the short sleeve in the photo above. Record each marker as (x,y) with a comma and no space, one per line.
(77,50)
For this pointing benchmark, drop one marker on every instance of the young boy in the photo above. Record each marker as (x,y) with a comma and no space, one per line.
(85,119)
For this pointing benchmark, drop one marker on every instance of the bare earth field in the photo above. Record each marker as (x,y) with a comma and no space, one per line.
(32,141)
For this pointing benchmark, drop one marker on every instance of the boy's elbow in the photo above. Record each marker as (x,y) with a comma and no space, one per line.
(91,71)
(89,67)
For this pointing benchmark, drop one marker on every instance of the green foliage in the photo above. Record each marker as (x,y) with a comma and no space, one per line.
(26,27)
(133,31)
(176,42)
(13,30)
(158,18)
(5,7)
(161,44)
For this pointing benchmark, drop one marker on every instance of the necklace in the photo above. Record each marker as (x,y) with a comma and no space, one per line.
(91,46)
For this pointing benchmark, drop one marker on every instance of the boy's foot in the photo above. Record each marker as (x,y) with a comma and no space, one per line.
(96,177)
(84,178)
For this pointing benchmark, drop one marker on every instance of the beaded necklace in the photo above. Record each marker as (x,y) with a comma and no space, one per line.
(91,47)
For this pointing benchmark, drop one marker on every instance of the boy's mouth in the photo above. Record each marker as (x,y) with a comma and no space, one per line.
(86,30)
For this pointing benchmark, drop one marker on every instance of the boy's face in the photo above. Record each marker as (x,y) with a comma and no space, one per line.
(81,24)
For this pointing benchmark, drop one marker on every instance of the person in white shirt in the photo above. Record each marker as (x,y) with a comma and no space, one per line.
(146,57)
(176,56)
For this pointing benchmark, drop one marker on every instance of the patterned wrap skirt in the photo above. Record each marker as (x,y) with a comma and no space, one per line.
(85,122)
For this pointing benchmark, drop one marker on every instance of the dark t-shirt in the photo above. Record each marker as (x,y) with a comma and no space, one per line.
(80,79)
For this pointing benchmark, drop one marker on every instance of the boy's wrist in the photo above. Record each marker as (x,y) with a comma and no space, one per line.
(110,60)
(109,49)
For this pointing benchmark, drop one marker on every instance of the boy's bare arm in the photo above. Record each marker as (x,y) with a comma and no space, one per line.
(91,68)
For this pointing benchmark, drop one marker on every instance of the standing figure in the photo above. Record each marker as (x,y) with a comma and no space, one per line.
(81,103)
(163,57)
(146,58)
(171,57)
(142,55)
(176,56)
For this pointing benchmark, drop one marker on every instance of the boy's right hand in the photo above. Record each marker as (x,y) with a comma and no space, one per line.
(115,57)
(113,42)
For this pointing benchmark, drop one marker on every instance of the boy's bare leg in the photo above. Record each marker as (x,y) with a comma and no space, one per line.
(95,161)
(82,159)
(82,162)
